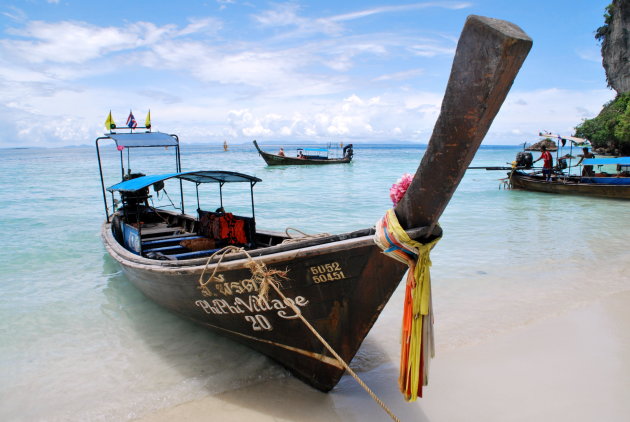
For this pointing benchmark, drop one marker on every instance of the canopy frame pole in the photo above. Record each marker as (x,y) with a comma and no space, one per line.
(197,190)
(221,193)
(100,170)
(178,166)
(251,192)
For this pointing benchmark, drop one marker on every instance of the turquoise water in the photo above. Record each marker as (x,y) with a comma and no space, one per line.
(80,343)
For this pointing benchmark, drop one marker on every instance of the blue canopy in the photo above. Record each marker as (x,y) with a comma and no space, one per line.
(206,176)
(143,139)
(316,149)
(624,161)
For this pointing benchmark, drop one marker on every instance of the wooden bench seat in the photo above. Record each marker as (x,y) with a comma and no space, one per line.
(190,255)
(169,239)
(152,232)
(164,249)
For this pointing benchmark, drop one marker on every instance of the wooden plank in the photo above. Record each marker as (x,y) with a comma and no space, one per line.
(164,249)
(168,239)
(189,255)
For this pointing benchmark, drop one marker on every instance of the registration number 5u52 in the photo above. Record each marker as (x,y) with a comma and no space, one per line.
(327,272)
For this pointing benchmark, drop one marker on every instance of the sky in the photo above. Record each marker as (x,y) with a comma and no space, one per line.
(298,71)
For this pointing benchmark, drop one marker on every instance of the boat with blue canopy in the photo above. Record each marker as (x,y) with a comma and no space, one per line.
(306,156)
(211,265)
(606,177)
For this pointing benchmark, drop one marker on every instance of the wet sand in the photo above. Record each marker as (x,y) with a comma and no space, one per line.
(574,366)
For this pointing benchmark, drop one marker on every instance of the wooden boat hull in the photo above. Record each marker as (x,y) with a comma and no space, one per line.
(340,288)
(279,160)
(536,183)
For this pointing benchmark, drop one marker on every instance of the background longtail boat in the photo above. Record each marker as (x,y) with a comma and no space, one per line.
(285,160)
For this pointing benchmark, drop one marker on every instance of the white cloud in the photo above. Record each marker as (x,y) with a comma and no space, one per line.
(15,14)
(402,8)
(431,49)
(55,77)
(593,54)
(399,76)
(556,110)
(73,42)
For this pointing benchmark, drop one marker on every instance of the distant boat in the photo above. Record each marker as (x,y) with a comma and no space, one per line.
(306,156)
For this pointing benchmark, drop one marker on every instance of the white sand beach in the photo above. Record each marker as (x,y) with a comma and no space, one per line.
(573,366)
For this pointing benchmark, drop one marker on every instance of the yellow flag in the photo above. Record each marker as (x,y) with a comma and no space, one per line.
(147,122)
(109,123)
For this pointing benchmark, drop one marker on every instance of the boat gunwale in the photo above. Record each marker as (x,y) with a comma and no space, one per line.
(127,258)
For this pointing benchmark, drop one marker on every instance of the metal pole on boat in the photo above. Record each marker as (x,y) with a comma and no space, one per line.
(197,190)
(122,164)
(178,166)
(100,170)
(251,192)
(489,54)
(221,193)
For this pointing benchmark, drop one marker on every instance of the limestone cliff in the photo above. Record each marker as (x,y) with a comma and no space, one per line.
(615,42)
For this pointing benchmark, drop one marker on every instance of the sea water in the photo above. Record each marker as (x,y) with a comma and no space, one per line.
(78,342)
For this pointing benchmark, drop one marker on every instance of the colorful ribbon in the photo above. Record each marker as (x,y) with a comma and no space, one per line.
(417,343)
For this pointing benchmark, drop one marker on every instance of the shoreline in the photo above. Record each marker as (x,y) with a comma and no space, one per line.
(571,366)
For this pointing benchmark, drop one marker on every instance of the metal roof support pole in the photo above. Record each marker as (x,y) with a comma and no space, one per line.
(221,193)
(100,170)
(197,189)
(122,164)
(251,191)
(178,165)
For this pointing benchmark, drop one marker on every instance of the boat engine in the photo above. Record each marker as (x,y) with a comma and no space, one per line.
(348,151)
(524,159)
(562,163)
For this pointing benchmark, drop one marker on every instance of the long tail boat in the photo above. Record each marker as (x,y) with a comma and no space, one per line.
(611,180)
(306,156)
(602,185)
(338,283)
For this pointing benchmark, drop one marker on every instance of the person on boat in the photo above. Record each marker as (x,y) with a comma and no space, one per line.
(301,156)
(547,162)
(281,152)
(586,170)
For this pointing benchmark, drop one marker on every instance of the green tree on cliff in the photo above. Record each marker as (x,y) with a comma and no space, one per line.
(611,128)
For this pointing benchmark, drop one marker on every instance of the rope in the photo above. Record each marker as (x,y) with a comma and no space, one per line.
(269,279)
(217,279)
(292,239)
(417,343)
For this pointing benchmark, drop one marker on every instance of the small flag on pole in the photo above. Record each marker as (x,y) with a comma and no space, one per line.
(147,122)
(131,121)
(109,123)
